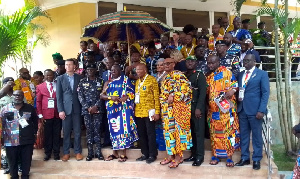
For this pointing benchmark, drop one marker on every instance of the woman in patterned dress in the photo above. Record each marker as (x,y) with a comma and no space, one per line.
(175,99)
(119,95)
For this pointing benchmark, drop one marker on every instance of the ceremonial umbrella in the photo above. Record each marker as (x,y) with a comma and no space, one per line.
(125,26)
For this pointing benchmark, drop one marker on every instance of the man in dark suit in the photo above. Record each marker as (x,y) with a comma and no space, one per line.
(107,74)
(69,109)
(254,91)
(47,112)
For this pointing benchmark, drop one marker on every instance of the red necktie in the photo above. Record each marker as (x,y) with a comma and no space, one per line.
(51,86)
(109,75)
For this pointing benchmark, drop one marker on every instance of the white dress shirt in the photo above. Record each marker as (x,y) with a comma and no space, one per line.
(249,75)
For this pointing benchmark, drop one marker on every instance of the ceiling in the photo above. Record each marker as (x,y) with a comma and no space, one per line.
(198,5)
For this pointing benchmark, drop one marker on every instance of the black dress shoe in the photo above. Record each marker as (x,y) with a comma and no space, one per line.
(198,162)
(6,171)
(243,162)
(56,157)
(190,159)
(150,160)
(143,157)
(89,158)
(47,157)
(256,165)
(99,156)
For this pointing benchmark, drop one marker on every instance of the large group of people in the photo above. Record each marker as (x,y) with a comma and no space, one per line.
(153,95)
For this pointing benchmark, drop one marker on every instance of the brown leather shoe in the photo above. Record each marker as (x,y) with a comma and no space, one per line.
(65,157)
(79,157)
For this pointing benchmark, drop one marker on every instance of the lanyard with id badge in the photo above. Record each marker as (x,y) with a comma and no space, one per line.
(22,121)
(137,95)
(242,89)
(51,99)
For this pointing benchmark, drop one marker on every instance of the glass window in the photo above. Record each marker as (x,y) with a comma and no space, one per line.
(219,15)
(157,12)
(253,21)
(269,22)
(182,17)
(106,8)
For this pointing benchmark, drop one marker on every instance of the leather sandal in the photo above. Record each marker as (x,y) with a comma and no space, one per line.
(122,158)
(111,157)
(174,164)
(229,163)
(214,161)
(166,161)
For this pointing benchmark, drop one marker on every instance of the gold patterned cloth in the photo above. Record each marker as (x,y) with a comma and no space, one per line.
(27,87)
(176,116)
(224,127)
(149,96)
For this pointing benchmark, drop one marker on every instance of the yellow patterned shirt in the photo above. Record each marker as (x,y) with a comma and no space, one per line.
(27,87)
(149,97)
(187,51)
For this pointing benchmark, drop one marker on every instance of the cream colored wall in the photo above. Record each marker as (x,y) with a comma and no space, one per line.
(65,31)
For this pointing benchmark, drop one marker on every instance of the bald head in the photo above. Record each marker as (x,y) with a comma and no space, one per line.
(24,73)
(228,39)
(249,61)
(213,62)
(141,70)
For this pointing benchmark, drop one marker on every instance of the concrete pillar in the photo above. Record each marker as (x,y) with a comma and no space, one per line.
(169,16)
(211,20)
(120,6)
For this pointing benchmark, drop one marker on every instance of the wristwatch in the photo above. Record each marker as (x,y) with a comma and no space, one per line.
(109,97)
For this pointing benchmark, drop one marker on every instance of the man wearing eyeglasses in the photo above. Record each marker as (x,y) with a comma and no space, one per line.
(175,99)
(20,127)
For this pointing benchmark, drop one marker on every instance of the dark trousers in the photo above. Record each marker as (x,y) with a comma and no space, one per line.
(93,124)
(146,131)
(249,123)
(52,130)
(25,153)
(72,121)
(198,131)
(105,130)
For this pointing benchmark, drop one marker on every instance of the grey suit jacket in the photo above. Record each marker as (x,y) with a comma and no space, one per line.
(67,99)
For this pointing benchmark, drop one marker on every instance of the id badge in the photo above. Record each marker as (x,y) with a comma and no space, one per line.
(50,102)
(137,98)
(241,93)
(23,122)
(80,64)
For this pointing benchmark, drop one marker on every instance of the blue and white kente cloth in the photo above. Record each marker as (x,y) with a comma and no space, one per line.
(123,130)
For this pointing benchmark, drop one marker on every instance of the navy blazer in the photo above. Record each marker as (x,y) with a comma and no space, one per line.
(67,99)
(105,75)
(256,94)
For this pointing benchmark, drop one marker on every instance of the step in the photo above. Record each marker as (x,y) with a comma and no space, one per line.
(132,169)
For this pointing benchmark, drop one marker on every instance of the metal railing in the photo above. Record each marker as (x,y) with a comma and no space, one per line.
(270,66)
(267,141)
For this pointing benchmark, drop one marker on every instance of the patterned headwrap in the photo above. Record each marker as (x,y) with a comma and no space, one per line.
(57,56)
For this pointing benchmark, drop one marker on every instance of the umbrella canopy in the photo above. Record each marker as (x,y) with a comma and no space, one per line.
(125,26)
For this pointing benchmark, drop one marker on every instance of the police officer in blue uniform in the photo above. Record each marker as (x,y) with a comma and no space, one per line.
(89,90)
